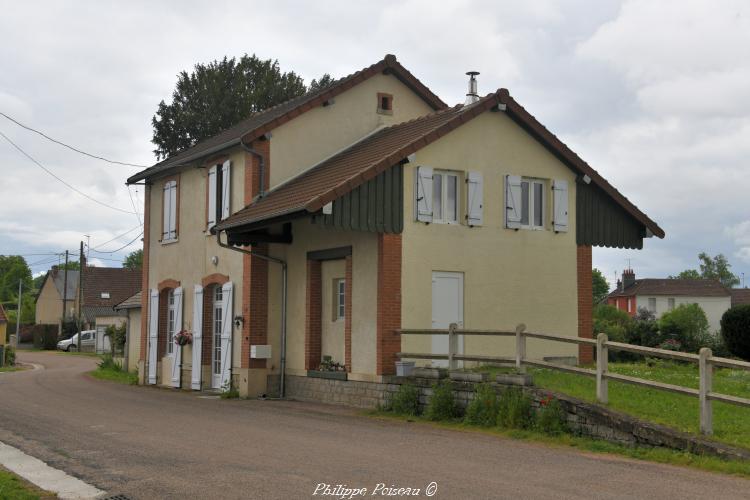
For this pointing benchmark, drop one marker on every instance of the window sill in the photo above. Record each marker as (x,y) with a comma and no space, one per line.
(388,112)
(169,242)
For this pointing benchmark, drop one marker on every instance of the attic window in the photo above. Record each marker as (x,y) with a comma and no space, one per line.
(105,295)
(385,103)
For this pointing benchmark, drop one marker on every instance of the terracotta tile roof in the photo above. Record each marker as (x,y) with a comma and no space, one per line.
(676,287)
(132,302)
(262,122)
(740,296)
(3,317)
(365,159)
(119,282)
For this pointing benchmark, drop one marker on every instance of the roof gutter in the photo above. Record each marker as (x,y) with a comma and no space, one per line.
(284,294)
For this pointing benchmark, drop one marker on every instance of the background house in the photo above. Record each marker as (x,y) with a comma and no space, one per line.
(662,295)
(132,309)
(49,302)
(104,288)
(740,296)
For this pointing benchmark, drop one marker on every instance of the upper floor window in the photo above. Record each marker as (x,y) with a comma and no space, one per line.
(670,303)
(385,103)
(445,197)
(437,196)
(652,304)
(532,203)
(219,189)
(526,203)
(169,222)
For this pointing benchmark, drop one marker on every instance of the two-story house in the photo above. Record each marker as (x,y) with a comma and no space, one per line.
(322,226)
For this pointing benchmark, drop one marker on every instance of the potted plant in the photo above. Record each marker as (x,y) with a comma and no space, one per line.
(329,369)
(183,337)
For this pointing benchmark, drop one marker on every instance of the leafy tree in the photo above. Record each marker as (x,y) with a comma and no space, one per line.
(217,95)
(72,266)
(13,269)
(600,286)
(324,81)
(134,260)
(687,324)
(717,267)
(735,325)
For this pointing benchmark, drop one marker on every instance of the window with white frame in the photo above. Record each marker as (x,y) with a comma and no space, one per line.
(445,197)
(532,203)
(652,304)
(670,303)
(219,189)
(339,298)
(169,224)
(171,321)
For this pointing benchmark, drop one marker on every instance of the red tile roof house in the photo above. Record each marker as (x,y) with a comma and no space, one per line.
(318,228)
(662,295)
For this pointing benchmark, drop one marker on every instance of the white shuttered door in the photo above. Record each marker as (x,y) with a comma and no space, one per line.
(560,205)
(513,209)
(211,197)
(177,349)
(474,209)
(226,334)
(225,189)
(423,193)
(195,379)
(153,332)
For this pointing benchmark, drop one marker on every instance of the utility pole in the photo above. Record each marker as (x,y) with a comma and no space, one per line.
(65,292)
(81,269)
(18,314)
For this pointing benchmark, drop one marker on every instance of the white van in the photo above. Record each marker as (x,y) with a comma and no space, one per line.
(71,344)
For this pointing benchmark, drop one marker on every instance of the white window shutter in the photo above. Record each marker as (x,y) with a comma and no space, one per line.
(177,349)
(195,379)
(423,193)
(225,189)
(475,199)
(226,334)
(512,201)
(211,197)
(560,205)
(173,211)
(165,212)
(153,334)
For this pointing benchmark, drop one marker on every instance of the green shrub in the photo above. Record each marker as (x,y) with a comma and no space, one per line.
(643,330)
(229,391)
(551,418)
(406,400)
(442,405)
(735,330)
(108,363)
(687,324)
(483,409)
(10,356)
(514,409)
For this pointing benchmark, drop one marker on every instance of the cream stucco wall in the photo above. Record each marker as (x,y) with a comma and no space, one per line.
(188,260)
(510,276)
(323,131)
(134,338)
(310,237)
(714,307)
(49,305)
(332,342)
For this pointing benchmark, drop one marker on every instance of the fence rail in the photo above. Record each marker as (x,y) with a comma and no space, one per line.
(705,360)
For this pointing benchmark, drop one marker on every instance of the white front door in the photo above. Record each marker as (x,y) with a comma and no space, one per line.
(447,308)
(218,318)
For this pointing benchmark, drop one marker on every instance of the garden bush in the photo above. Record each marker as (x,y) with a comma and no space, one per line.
(406,400)
(735,331)
(687,324)
(483,409)
(514,410)
(442,405)
(10,356)
(644,329)
(109,363)
(551,418)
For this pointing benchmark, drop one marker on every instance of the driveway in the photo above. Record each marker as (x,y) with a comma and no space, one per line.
(158,443)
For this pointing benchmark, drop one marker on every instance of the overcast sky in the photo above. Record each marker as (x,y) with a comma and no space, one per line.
(654,95)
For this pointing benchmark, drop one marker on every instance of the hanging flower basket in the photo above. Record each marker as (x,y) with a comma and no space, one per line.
(183,337)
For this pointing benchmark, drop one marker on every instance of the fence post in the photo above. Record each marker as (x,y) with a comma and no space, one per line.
(602,363)
(520,348)
(706,372)
(452,345)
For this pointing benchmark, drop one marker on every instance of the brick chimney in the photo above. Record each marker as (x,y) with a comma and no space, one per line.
(628,278)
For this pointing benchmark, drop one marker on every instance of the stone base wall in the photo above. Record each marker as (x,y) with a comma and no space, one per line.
(583,418)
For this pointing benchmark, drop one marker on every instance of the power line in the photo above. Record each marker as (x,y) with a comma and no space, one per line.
(59,179)
(137,215)
(69,146)
(116,237)
(122,247)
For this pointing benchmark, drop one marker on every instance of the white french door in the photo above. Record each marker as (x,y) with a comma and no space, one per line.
(447,308)
(217,323)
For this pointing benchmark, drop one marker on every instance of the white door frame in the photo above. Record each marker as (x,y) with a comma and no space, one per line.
(216,337)
(439,341)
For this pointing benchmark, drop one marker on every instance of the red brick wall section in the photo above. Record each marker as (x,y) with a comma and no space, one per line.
(313,315)
(255,270)
(348,314)
(161,340)
(585,303)
(145,294)
(389,302)
(208,319)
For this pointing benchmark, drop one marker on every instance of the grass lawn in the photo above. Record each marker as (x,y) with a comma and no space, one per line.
(13,487)
(10,369)
(113,375)
(660,455)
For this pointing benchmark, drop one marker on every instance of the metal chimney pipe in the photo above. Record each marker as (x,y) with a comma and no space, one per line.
(472,96)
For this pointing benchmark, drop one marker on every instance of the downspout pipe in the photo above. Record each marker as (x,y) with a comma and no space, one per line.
(261,166)
(284,294)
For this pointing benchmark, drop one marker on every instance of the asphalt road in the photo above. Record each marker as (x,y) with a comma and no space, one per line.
(158,443)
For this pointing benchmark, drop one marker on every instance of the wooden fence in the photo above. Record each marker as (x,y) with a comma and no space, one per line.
(705,361)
